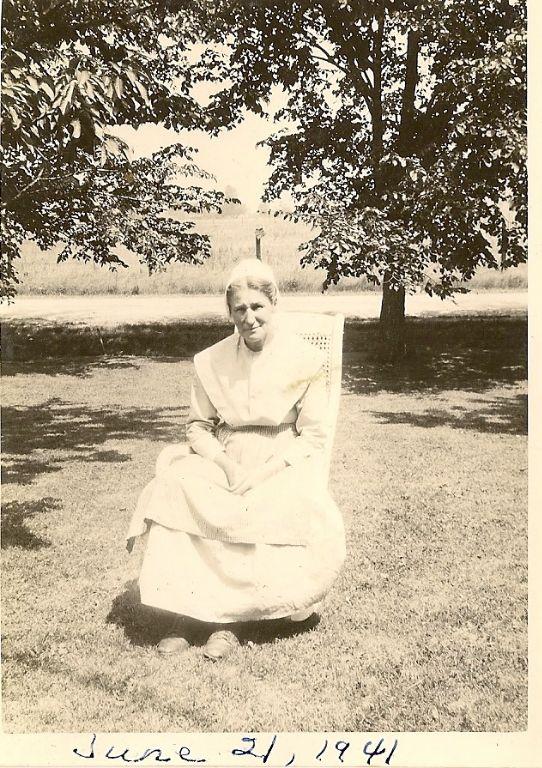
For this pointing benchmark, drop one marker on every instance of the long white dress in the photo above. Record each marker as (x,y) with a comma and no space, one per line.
(221,557)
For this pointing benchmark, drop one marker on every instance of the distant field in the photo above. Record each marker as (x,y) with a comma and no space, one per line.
(232,238)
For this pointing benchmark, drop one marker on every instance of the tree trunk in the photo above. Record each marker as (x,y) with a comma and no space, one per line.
(392,312)
(377,119)
(408,111)
(392,322)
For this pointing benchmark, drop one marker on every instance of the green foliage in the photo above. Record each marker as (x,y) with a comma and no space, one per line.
(405,129)
(72,70)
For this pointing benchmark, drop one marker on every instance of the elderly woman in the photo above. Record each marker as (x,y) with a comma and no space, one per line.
(242,529)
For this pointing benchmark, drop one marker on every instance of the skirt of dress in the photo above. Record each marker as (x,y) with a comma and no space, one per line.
(216,580)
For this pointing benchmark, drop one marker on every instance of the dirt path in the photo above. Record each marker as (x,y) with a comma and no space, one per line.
(122,310)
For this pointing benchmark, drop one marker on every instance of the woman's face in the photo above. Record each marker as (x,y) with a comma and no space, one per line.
(252,313)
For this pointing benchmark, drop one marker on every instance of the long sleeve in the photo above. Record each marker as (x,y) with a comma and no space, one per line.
(202,422)
(310,422)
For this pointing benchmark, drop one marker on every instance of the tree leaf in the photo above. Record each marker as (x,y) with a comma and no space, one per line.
(76,125)
(32,83)
(82,77)
(119,87)
(46,88)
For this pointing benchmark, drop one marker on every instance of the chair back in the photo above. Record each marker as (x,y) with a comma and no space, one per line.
(326,333)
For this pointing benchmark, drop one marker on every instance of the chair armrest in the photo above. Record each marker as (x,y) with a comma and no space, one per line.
(169,454)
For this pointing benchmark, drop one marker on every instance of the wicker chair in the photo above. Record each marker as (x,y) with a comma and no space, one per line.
(324,332)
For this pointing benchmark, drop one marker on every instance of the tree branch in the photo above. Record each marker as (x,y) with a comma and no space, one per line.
(42,178)
(349,47)
(365,88)
(29,186)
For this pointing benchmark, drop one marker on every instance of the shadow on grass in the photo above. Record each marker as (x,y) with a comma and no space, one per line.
(76,432)
(82,367)
(145,626)
(501,415)
(470,370)
(142,625)
(15,532)
(472,355)
(39,339)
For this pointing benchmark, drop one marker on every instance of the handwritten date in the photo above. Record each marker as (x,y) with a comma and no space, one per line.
(358,752)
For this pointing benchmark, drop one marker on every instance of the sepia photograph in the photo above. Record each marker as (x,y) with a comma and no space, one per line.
(264,374)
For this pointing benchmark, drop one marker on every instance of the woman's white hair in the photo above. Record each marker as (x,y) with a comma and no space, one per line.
(252,273)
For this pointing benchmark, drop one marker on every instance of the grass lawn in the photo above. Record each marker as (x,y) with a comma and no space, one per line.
(426,629)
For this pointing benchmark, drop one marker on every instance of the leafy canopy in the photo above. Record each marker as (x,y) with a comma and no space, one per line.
(405,142)
(74,69)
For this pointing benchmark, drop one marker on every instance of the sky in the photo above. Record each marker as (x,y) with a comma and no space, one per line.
(233,156)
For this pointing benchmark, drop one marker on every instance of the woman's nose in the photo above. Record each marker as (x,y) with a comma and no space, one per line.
(250,317)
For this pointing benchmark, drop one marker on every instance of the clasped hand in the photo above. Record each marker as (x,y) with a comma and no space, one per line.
(241,480)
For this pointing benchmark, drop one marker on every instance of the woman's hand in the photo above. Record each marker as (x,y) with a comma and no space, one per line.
(233,471)
(258,475)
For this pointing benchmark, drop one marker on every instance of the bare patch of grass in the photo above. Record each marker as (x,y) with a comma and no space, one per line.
(426,629)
